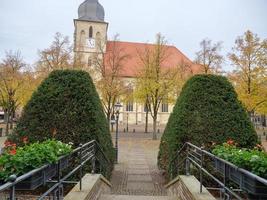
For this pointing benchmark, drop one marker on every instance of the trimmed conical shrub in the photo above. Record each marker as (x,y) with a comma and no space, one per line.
(206,112)
(65,107)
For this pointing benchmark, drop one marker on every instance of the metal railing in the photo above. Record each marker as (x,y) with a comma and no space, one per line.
(213,168)
(86,157)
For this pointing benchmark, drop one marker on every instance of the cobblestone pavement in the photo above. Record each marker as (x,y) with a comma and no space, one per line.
(137,172)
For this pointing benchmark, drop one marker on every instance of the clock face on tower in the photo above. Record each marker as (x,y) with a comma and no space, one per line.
(90,43)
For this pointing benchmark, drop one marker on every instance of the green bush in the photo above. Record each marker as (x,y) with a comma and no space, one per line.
(251,160)
(206,112)
(21,160)
(65,107)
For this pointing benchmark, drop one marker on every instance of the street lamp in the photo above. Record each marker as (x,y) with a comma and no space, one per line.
(112,122)
(127,125)
(117,107)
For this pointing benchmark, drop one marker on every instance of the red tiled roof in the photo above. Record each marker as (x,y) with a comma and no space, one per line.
(131,65)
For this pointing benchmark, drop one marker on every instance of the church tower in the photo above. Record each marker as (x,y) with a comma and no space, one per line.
(90,34)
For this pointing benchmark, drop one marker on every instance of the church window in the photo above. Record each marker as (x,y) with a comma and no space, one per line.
(129,106)
(165,107)
(90,32)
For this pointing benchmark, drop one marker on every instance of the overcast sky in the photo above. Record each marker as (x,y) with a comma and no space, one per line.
(29,25)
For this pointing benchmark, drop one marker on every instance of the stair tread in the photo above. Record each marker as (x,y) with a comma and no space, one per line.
(131,197)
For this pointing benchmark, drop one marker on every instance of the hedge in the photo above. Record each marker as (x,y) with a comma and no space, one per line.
(65,107)
(206,112)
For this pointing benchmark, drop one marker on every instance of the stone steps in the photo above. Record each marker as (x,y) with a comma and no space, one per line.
(127,197)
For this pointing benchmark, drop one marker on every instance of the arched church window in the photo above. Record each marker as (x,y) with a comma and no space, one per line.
(90,32)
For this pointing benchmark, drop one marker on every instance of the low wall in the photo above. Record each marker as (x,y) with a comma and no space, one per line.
(187,188)
(93,185)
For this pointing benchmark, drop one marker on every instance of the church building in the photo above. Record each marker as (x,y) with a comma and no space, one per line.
(91,31)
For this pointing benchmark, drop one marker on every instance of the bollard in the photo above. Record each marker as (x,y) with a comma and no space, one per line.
(158,131)
(266,137)
(124,130)
(264,133)
(133,130)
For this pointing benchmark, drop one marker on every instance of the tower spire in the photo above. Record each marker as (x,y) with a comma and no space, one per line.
(91,10)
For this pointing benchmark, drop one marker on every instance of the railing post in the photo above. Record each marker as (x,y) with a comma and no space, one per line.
(12,195)
(55,195)
(61,191)
(201,172)
(187,162)
(81,167)
(224,179)
(178,163)
(58,180)
(94,158)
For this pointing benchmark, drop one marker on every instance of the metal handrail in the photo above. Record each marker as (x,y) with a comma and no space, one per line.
(192,151)
(86,153)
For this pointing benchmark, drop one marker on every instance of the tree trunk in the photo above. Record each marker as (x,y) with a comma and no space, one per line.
(264,120)
(146,125)
(11,121)
(154,128)
(7,122)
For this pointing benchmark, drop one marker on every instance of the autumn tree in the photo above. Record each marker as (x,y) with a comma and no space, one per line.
(209,56)
(249,56)
(106,70)
(57,56)
(11,84)
(154,82)
(184,72)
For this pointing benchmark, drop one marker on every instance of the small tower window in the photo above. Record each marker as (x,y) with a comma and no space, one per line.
(90,32)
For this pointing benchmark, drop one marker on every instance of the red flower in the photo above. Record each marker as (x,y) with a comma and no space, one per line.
(230,142)
(13,152)
(8,143)
(25,140)
(259,147)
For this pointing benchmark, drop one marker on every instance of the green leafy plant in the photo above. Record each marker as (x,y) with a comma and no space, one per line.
(253,160)
(21,160)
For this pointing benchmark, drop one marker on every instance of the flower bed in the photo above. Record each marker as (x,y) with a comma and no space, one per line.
(18,161)
(254,161)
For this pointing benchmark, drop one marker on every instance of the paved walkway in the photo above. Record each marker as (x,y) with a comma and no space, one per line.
(2,141)
(137,172)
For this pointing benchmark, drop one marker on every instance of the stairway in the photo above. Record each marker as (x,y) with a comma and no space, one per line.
(136,176)
(128,197)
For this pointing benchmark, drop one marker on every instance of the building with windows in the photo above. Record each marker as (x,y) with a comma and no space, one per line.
(90,39)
